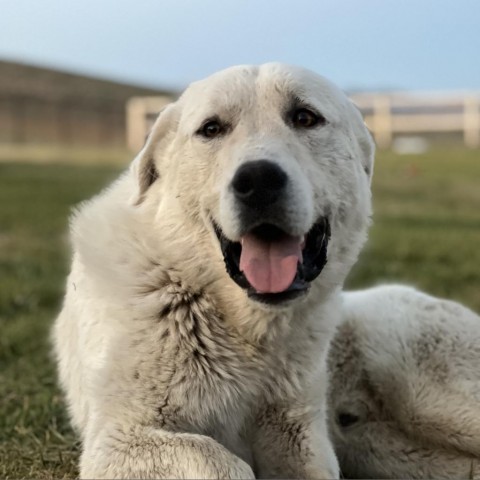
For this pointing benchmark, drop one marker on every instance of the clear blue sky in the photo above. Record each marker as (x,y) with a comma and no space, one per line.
(406,44)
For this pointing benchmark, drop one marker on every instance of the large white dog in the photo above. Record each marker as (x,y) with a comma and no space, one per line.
(405,388)
(205,282)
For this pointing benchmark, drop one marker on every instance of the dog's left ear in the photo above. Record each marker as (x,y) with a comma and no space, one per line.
(143,167)
(367,147)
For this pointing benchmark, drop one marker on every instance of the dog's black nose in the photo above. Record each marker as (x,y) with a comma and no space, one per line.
(259,183)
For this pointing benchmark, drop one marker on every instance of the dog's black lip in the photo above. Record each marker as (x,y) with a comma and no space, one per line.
(276,298)
(314,260)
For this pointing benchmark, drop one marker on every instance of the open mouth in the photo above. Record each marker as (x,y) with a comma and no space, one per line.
(273,266)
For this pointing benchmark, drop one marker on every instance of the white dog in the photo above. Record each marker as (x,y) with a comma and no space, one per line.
(405,388)
(205,283)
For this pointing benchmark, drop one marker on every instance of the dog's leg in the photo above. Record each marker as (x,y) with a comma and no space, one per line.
(146,452)
(293,444)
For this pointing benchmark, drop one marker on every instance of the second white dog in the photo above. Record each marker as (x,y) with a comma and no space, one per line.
(405,387)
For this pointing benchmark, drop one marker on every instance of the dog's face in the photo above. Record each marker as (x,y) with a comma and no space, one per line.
(274,160)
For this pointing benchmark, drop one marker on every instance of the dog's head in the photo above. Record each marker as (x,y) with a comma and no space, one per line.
(275,163)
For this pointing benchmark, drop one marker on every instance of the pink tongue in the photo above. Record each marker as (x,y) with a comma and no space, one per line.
(270,267)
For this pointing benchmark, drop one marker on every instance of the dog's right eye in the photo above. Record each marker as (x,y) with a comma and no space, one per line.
(345,419)
(211,129)
(305,118)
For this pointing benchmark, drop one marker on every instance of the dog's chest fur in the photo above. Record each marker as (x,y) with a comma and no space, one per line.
(187,369)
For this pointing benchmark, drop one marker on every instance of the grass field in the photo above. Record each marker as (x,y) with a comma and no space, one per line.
(426,233)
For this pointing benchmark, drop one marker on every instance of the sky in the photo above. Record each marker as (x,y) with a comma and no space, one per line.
(358,44)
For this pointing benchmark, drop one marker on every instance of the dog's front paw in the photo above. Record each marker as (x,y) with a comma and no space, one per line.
(231,468)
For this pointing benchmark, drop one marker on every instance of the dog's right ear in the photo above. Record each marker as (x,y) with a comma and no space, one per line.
(143,168)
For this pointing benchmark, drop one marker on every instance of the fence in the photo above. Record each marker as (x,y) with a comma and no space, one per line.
(388,115)
(141,113)
(394,114)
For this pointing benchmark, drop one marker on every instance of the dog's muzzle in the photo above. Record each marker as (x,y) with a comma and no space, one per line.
(271,262)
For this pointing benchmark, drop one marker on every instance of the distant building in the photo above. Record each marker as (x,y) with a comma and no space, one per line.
(44,106)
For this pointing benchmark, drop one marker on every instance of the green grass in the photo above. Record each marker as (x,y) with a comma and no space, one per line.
(426,229)
(35,202)
(426,233)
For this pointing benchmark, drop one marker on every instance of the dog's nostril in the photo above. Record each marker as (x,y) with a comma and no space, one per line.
(243,183)
(259,182)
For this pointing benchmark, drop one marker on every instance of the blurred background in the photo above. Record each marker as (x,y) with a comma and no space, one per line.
(80,83)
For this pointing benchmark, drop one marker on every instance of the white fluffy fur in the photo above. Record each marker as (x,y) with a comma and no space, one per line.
(407,365)
(170,370)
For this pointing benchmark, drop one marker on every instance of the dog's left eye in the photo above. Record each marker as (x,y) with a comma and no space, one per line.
(211,129)
(305,118)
